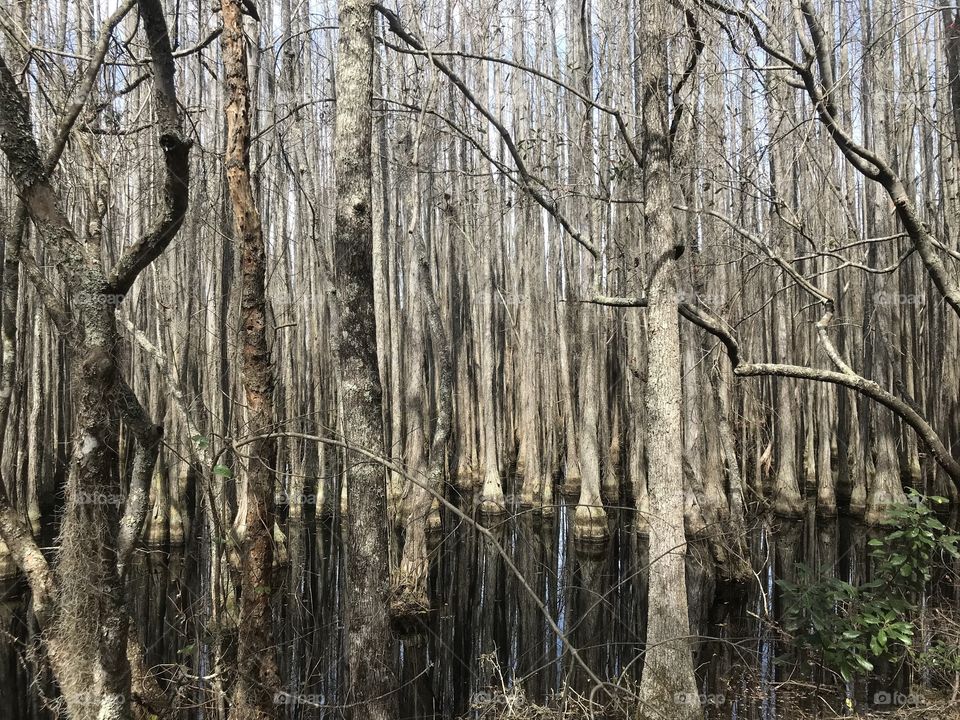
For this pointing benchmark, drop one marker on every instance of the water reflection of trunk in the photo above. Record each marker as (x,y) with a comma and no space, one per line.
(296,622)
(328,640)
(157,605)
(854,562)
(726,658)
(760,627)
(482,608)
(534,553)
(825,548)
(418,689)
(490,626)
(852,566)
(416,694)
(822,558)
(627,610)
(457,594)
(642,598)
(889,675)
(587,612)
(786,540)
(18,672)
(701,587)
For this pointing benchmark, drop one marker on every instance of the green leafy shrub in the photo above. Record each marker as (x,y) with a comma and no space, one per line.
(846,628)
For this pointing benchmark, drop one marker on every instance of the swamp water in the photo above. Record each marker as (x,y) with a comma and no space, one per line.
(487,632)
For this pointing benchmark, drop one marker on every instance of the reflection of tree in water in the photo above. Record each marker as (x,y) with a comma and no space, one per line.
(486,630)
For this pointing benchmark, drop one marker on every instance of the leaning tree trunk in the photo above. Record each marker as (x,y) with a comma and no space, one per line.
(369,645)
(668,662)
(257,677)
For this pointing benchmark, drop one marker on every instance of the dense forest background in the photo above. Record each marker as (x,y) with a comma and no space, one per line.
(311,290)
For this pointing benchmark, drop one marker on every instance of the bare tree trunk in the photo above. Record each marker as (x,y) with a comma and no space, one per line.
(951,44)
(257,677)
(369,643)
(826,492)
(491,493)
(667,680)
(88,637)
(590,519)
(410,582)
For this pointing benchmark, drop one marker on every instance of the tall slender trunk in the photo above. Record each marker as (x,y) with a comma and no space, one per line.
(667,679)
(951,46)
(257,677)
(369,644)
(491,494)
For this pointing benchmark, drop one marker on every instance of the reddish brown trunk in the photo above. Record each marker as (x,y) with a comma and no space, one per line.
(257,677)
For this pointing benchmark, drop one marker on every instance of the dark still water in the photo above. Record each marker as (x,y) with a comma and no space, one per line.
(487,642)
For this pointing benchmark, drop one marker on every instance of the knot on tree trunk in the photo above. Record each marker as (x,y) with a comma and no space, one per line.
(99,367)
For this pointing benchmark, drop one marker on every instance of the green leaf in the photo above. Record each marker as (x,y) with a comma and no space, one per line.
(222,471)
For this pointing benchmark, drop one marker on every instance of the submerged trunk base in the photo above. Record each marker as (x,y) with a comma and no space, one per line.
(590,524)
(571,485)
(788,504)
(409,600)
(492,501)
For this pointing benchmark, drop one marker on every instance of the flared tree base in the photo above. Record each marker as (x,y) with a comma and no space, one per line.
(590,524)
(570,485)
(826,506)
(788,505)
(409,609)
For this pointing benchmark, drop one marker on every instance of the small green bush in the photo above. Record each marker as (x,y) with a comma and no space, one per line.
(846,628)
